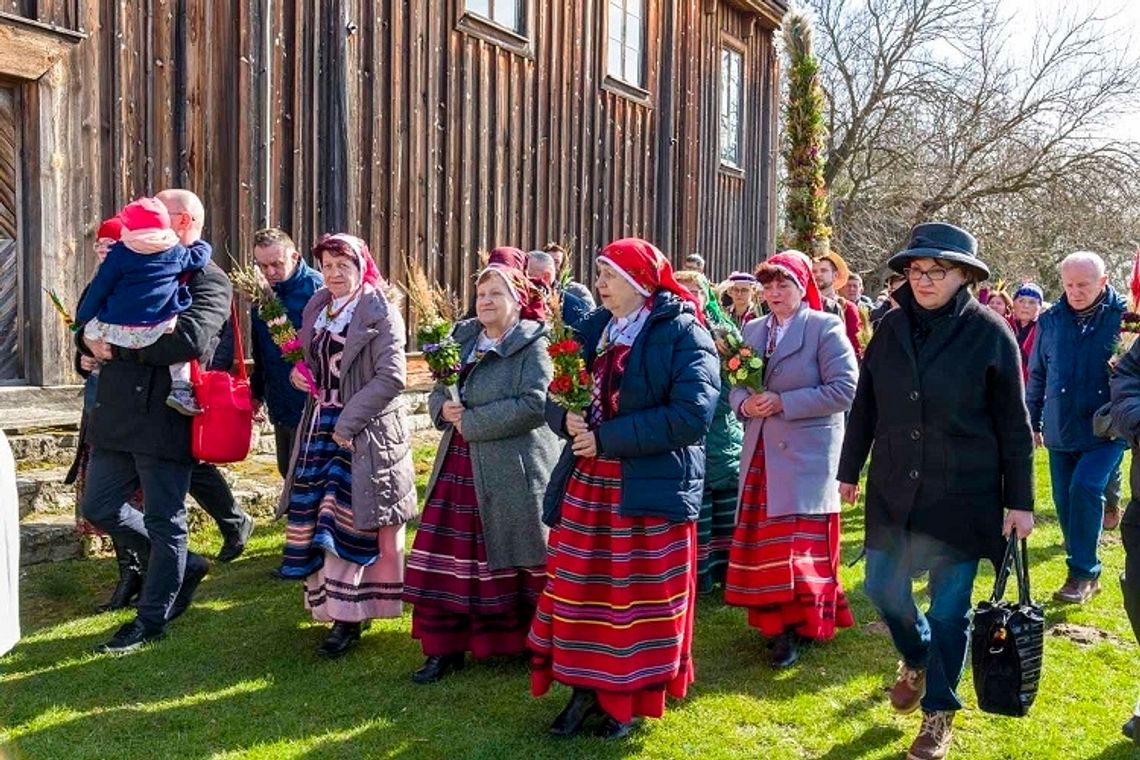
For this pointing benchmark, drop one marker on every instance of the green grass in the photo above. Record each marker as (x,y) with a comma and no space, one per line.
(238,678)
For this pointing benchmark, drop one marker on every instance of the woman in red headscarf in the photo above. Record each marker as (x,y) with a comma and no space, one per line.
(784,561)
(615,621)
(478,562)
(350,488)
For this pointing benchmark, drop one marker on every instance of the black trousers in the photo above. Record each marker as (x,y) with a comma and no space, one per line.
(158,535)
(1130,578)
(213,493)
(283,441)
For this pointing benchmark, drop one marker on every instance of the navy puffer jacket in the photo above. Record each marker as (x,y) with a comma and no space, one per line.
(1068,373)
(668,396)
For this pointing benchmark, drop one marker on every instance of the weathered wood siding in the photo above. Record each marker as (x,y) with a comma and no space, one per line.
(389,120)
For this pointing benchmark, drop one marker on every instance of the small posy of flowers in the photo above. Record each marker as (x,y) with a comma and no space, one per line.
(743,366)
(1129,329)
(272,311)
(572,386)
(57,302)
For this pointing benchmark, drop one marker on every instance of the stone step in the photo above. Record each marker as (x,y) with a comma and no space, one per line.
(42,491)
(36,449)
(30,408)
(49,538)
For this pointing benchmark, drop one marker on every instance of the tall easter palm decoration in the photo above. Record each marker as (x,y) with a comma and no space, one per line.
(806,211)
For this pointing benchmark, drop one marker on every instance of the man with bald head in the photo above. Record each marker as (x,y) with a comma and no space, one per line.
(137,440)
(1068,383)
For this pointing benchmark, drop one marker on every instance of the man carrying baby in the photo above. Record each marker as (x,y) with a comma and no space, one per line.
(137,439)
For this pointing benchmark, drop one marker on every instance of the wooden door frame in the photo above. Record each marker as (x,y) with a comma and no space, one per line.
(21,254)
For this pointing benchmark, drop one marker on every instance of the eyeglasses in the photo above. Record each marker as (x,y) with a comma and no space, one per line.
(934,274)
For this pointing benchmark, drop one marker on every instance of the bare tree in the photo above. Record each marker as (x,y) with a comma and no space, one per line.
(932,117)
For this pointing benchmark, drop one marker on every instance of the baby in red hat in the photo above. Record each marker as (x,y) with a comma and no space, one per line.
(138,291)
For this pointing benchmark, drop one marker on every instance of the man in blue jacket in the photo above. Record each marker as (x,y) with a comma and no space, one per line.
(1068,382)
(542,270)
(294,282)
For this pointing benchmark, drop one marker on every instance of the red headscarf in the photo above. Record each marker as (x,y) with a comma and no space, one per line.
(644,267)
(352,247)
(531,303)
(797,268)
(507,256)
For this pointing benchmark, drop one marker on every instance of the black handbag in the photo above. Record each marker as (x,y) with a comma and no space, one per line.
(1008,641)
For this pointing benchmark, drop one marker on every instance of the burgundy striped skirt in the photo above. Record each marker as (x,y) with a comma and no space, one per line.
(617,612)
(785,569)
(460,603)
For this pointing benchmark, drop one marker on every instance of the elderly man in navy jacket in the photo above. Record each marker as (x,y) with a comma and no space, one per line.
(1068,382)
(294,282)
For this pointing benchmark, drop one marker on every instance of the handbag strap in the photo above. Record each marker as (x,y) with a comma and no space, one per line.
(1022,560)
(239,352)
(1017,560)
(1007,564)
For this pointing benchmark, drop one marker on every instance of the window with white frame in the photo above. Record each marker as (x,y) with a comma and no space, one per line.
(505,13)
(731,104)
(625,32)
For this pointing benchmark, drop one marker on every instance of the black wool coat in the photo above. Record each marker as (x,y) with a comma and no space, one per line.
(130,411)
(946,428)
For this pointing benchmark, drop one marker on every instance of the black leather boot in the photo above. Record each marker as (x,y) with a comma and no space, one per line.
(437,667)
(130,581)
(582,705)
(340,640)
(785,650)
(613,729)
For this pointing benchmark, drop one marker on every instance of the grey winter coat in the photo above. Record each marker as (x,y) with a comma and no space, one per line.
(373,374)
(512,449)
(814,371)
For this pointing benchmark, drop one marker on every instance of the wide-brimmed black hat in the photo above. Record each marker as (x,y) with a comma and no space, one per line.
(944,242)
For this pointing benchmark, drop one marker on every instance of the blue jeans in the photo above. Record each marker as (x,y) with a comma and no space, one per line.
(1079,479)
(937,640)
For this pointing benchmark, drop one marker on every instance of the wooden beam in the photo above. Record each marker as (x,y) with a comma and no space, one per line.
(29,48)
(770,12)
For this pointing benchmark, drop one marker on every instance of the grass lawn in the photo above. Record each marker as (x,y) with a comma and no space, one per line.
(238,677)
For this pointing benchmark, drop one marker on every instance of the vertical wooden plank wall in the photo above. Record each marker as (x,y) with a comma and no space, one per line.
(388,121)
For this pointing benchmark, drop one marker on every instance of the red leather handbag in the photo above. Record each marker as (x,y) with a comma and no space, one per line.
(221,433)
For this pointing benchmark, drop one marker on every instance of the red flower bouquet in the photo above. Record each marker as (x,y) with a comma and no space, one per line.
(572,387)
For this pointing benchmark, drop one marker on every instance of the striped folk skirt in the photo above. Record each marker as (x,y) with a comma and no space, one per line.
(320,519)
(460,603)
(785,569)
(617,612)
(715,528)
(350,593)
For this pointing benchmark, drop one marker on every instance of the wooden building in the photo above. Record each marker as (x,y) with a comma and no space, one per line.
(434,129)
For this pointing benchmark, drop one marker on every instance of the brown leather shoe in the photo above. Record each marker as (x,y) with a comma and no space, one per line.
(1111,517)
(1076,591)
(909,688)
(933,740)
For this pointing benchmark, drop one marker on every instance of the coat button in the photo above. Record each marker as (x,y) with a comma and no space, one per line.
(914,395)
(1062,390)
(914,474)
(915,434)
(782,445)
(776,371)
(138,389)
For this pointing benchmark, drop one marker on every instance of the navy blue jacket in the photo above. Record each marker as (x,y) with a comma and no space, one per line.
(668,396)
(1068,373)
(574,309)
(141,288)
(270,379)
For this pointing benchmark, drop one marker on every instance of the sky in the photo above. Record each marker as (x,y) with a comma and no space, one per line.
(1122,16)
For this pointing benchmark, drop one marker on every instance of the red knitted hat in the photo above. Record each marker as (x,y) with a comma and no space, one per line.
(145,214)
(110,229)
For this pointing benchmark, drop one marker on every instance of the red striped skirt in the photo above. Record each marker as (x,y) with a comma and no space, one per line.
(617,612)
(785,569)
(460,603)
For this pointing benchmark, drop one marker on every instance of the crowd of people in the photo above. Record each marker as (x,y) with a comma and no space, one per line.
(579,539)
